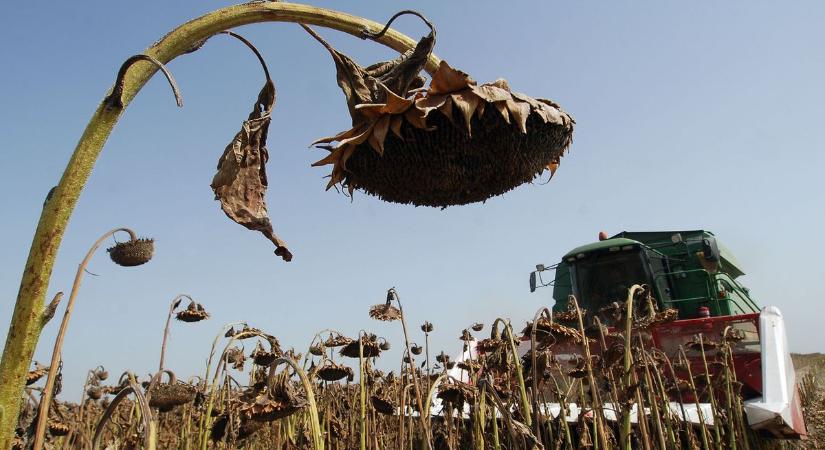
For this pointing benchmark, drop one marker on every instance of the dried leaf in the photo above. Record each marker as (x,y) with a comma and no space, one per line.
(356,83)
(402,74)
(393,105)
(332,158)
(491,92)
(240,183)
(430,102)
(447,80)
(340,136)
(377,83)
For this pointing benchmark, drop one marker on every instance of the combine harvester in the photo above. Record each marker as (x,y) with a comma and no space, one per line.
(689,272)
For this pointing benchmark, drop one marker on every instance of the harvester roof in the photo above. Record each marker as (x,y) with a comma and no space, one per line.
(657,240)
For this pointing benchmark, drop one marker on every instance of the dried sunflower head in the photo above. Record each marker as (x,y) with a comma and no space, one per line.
(465,335)
(459,143)
(383,404)
(235,356)
(132,252)
(699,343)
(101,374)
(246,429)
(371,347)
(166,396)
(456,393)
(416,349)
(317,350)
(490,345)
(34,375)
(58,428)
(470,365)
(568,316)
(248,332)
(330,371)
(385,312)
(263,404)
(442,357)
(193,313)
(427,327)
(733,335)
(546,328)
(337,341)
(94,392)
(263,357)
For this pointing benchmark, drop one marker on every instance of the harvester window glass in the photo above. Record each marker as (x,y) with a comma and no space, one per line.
(605,278)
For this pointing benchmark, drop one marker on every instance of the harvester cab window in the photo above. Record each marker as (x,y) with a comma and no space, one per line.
(605,278)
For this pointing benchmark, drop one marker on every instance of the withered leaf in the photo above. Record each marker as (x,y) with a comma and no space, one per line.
(373,85)
(240,183)
(402,74)
(353,79)
(447,80)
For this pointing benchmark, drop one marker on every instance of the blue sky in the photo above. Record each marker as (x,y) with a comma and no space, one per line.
(688,116)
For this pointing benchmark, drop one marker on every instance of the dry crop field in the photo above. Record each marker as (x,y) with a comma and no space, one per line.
(254,394)
(564,380)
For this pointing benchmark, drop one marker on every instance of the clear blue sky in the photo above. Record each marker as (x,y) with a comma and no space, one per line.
(689,116)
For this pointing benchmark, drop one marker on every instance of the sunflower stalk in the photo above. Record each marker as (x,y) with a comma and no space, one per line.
(46,396)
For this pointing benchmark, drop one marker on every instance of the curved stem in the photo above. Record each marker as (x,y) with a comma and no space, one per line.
(46,397)
(149,425)
(366,34)
(315,423)
(26,323)
(172,306)
(254,50)
(114,99)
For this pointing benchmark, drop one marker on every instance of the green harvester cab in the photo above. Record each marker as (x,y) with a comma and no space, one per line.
(687,270)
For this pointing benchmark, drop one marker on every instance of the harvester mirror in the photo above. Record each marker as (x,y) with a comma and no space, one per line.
(540,268)
(532,281)
(710,249)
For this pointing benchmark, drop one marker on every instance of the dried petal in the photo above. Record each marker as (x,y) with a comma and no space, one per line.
(520,112)
(466,102)
(447,80)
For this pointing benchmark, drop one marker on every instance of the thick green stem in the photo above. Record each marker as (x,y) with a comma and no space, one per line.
(26,323)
